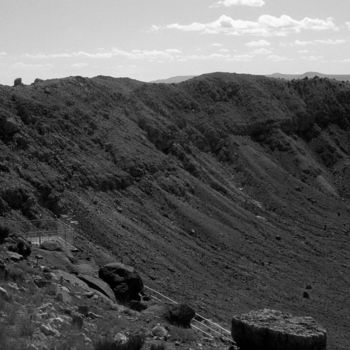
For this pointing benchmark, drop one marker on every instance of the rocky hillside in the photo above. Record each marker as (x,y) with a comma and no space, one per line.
(230,192)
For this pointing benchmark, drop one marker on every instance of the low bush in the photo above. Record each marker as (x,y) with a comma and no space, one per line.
(135,342)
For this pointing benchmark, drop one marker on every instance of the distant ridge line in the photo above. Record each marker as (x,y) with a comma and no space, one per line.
(310,75)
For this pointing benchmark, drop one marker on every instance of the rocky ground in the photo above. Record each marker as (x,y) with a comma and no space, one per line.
(45,303)
(227,192)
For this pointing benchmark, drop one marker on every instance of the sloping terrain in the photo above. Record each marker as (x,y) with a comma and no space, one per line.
(229,192)
(340,77)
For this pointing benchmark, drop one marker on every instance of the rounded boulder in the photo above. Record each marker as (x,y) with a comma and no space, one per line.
(125,282)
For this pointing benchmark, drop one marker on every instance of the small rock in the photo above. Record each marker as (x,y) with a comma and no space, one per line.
(86,339)
(15,256)
(13,285)
(49,330)
(4,294)
(93,315)
(120,338)
(57,322)
(306,295)
(159,332)
(41,282)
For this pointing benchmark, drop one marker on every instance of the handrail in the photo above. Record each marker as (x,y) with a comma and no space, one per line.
(198,322)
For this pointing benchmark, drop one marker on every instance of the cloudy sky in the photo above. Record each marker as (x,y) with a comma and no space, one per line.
(151,39)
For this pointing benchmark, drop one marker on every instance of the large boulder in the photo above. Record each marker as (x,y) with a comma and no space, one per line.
(8,124)
(98,284)
(274,330)
(124,281)
(180,315)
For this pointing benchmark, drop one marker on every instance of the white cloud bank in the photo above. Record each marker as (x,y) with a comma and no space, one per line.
(229,3)
(265,25)
(319,41)
(167,55)
(258,43)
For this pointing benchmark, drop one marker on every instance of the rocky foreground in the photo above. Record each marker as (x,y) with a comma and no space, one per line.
(229,193)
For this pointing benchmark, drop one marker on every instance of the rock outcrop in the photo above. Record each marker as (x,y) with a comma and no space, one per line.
(124,281)
(99,285)
(274,330)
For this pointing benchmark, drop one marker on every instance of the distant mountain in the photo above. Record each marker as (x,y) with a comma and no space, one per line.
(340,77)
(310,75)
(174,80)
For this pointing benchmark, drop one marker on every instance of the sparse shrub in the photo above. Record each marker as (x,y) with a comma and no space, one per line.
(135,342)
(184,335)
(15,274)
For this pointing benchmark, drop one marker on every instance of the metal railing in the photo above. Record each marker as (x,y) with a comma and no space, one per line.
(200,323)
(38,231)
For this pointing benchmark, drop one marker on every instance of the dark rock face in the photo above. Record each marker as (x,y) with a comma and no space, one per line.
(274,330)
(18,82)
(180,315)
(21,246)
(8,124)
(124,281)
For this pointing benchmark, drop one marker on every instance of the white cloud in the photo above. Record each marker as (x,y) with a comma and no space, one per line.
(258,43)
(24,65)
(155,28)
(312,58)
(344,60)
(320,41)
(262,51)
(229,3)
(3,53)
(168,54)
(80,65)
(278,58)
(265,25)
(348,24)
(216,45)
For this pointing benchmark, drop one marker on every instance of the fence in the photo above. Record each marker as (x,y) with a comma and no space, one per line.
(38,231)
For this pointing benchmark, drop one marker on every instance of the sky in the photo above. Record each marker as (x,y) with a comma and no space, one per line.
(153,39)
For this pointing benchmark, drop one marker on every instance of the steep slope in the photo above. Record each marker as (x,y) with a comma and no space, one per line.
(227,191)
